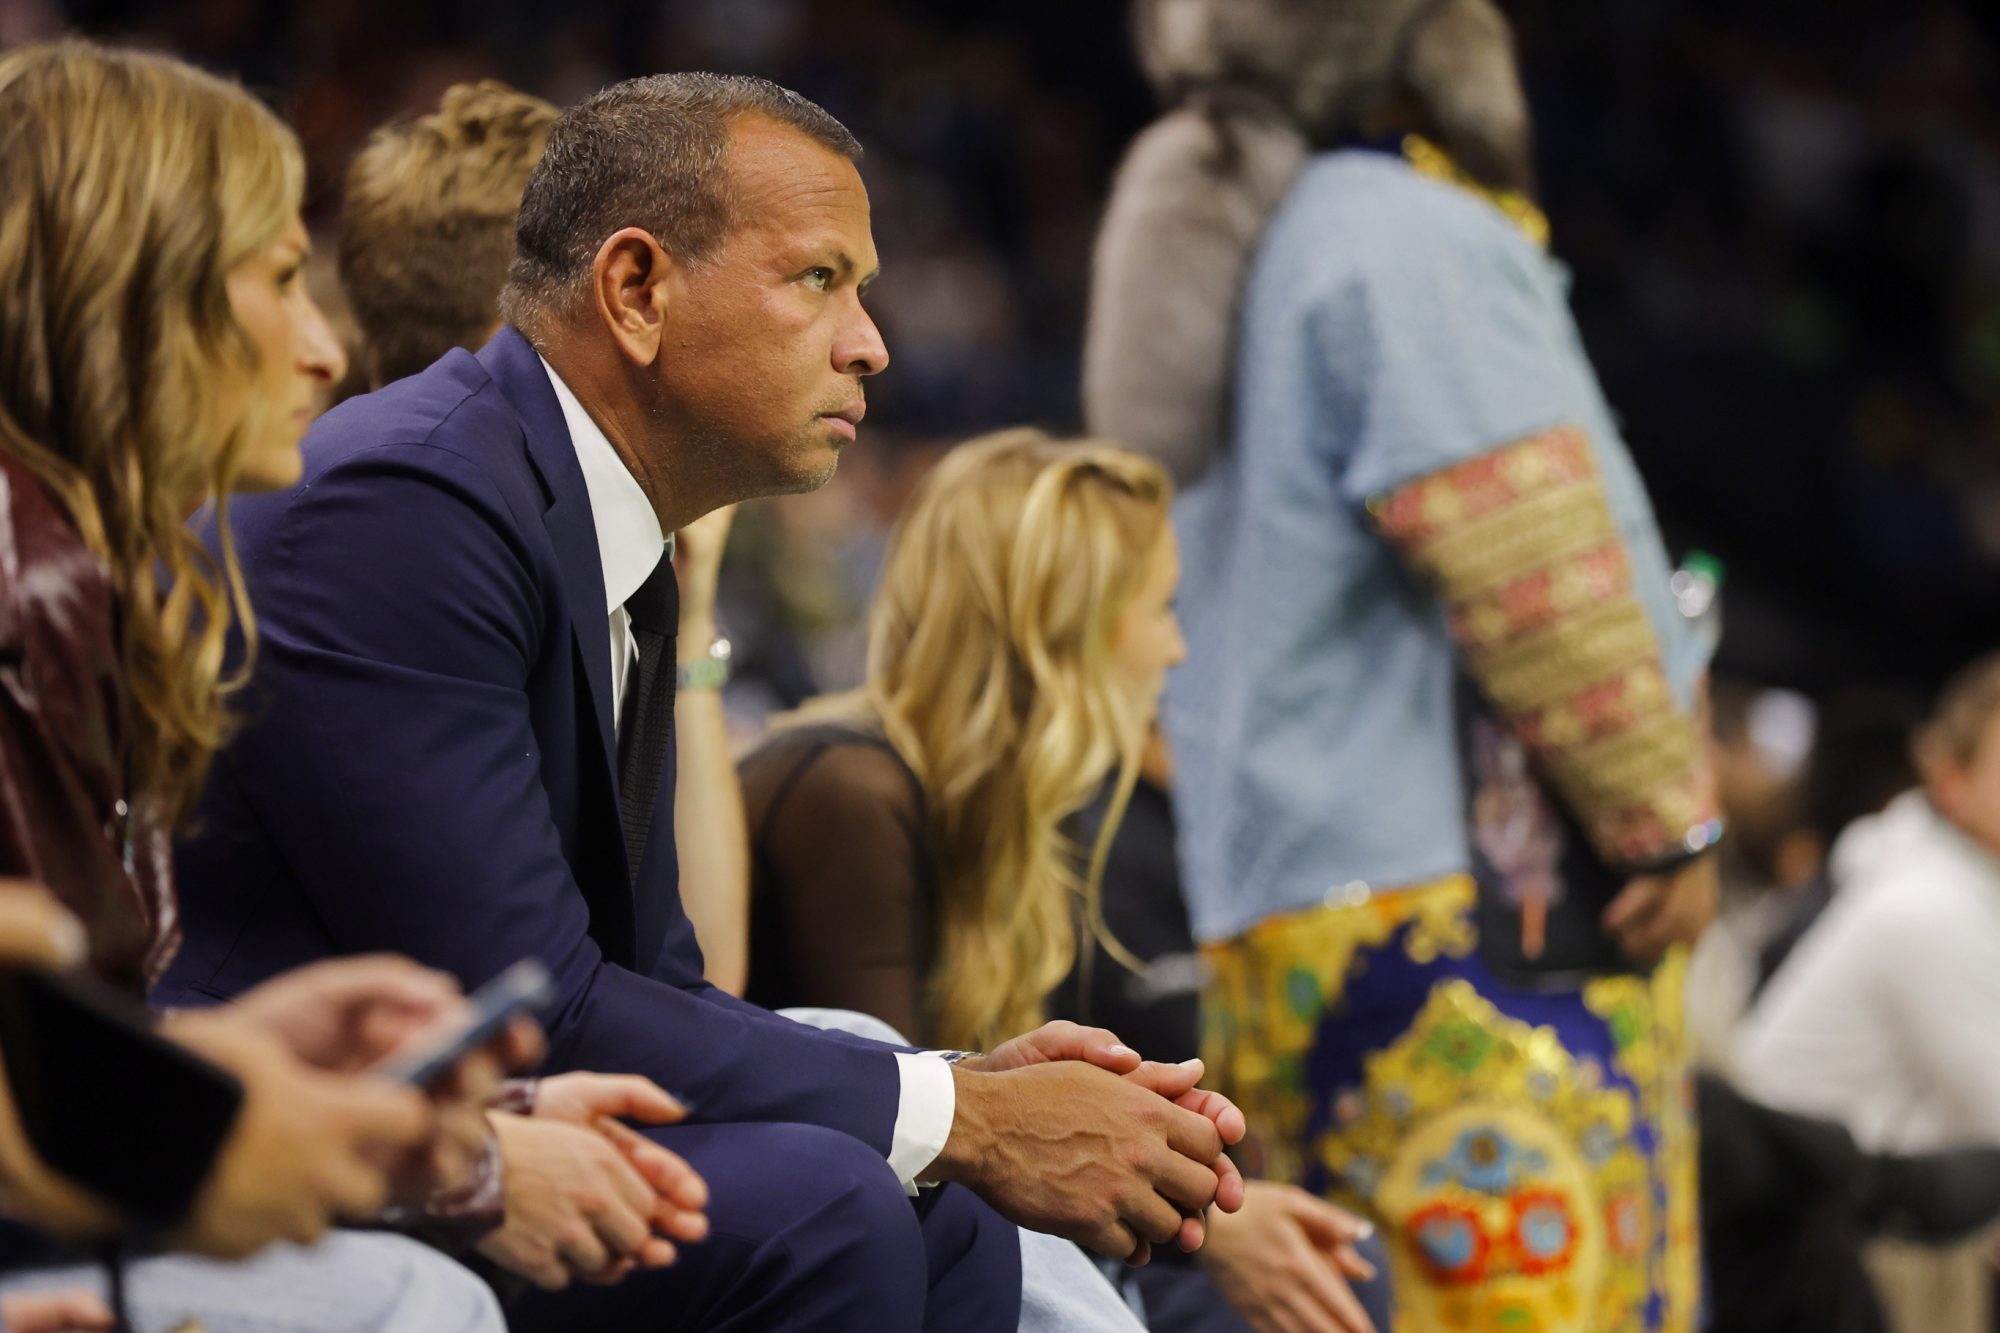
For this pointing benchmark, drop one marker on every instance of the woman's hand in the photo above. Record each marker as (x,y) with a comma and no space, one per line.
(309,1147)
(36,930)
(601,1102)
(577,1207)
(1285,1259)
(583,1099)
(348,1013)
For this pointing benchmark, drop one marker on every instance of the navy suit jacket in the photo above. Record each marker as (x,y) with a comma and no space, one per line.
(429,764)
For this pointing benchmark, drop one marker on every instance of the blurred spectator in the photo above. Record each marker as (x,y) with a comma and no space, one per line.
(1860,762)
(427,224)
(1443,795)
(1792,776)
(1881,1019)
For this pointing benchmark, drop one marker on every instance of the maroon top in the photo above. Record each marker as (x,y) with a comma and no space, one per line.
(63,814)
(63,817)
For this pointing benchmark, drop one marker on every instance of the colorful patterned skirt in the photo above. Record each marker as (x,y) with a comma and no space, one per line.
(1528,1154)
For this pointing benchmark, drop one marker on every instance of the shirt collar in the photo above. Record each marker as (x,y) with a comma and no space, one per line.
(629,540)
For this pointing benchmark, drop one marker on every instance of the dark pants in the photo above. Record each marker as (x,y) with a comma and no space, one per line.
(808,1229)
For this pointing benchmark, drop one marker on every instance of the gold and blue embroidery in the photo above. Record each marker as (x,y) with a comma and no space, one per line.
(1527,1154)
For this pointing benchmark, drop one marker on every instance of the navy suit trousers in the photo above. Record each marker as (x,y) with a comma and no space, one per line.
(809,1229)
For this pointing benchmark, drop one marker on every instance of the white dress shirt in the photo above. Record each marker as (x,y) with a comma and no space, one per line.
(1883,1016)
(630,544)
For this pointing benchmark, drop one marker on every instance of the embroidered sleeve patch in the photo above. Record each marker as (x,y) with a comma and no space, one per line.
(1521,545)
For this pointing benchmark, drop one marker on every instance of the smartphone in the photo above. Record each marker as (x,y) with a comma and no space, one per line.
(523,988)
(1541,888)
(105,1100)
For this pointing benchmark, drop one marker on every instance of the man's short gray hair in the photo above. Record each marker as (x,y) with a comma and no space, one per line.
(651,153)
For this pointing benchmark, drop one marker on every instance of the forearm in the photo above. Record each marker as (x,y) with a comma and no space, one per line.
(978,1134)
(1521,546)
(708,826)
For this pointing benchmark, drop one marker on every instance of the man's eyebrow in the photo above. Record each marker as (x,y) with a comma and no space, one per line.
(847,267)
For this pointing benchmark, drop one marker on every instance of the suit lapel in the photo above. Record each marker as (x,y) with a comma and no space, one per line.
(657,925)
(515,367)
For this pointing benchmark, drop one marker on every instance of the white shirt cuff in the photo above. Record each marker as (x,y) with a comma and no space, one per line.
(925,1105)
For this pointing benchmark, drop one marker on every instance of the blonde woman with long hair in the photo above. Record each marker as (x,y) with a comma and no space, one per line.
(908,851)
(158,350)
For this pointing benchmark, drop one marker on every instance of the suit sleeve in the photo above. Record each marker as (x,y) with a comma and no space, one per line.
(392,758)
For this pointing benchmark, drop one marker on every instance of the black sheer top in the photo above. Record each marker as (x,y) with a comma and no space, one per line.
(842,883)
(843,893)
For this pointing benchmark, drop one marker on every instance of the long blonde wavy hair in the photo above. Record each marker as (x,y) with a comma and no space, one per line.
(989,670)
(130,185)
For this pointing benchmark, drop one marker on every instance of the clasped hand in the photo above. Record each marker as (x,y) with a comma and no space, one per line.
(588,1198)
(1067,1130)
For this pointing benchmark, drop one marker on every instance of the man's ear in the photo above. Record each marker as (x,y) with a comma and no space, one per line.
(633,280)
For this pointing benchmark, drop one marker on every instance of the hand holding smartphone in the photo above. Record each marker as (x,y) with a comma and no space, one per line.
(524,988)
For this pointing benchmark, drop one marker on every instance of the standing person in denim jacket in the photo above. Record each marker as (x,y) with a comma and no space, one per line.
(1443,799)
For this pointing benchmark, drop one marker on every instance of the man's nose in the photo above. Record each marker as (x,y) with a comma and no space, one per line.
(861,351)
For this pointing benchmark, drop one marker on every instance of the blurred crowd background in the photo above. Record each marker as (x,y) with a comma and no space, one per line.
(1783,220)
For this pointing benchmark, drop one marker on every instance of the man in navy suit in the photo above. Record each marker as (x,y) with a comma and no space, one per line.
(455,744)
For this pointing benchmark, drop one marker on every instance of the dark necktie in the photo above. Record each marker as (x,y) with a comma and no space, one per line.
(646,724)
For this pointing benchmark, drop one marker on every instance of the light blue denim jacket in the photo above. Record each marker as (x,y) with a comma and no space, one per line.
(1393,325)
